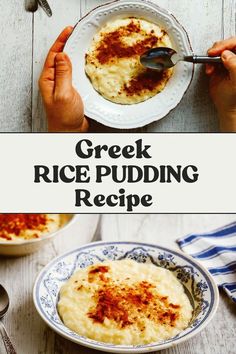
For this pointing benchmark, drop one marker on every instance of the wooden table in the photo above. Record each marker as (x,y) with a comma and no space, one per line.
(32,336)
(26,38)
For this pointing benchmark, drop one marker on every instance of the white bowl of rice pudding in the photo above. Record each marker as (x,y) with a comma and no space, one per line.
(22,234)
(105,49)
(126,297)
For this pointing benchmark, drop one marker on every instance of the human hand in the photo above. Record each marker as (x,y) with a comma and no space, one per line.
(63,104)
(223,83)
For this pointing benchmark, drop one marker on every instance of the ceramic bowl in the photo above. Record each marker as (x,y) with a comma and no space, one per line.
(198,284)
(137,115)
(22,248)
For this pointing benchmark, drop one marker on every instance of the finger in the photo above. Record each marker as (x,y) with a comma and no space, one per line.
(60,42)
(46,86)
(48,74)
(220,46)
(57,47)
(46,83)
(84,126)
(210,69)
(63,75)
(229,61)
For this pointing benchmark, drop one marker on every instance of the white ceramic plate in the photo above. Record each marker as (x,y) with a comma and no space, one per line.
(198,283)
(137,115)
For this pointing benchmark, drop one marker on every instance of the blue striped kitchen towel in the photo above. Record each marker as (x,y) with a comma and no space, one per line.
(216,251)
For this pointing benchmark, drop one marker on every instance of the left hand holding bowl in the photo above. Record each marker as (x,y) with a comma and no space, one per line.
(63,104)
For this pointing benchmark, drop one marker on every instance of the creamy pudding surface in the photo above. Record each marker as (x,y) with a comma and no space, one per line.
(125,303)
(23,227)
(113,61)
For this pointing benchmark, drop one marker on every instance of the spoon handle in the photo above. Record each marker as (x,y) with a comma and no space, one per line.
(197,59)
(6,340)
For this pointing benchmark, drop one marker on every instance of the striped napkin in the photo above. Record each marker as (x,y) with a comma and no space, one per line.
(216,251)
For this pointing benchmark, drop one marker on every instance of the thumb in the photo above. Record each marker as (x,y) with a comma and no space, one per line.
(229,61)
(63,74)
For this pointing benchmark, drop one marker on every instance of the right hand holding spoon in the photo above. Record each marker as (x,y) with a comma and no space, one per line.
(223,83)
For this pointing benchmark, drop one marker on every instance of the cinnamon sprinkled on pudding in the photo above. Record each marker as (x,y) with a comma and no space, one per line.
(100,270)
(125,302)
(18,227)
(144,81)
(128,305)
(113,61)
(112,45)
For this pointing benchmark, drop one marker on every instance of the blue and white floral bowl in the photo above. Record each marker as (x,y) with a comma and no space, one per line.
(198,284)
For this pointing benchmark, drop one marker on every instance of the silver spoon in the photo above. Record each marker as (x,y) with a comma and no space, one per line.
(163,58)
(31,5)
(4,305)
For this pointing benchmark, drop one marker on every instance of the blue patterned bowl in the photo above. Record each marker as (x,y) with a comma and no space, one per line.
(198,284)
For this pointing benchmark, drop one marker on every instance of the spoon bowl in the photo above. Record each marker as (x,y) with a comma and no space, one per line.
(31,5)
(4,301)
(158,58)
(4,306)
(163,58)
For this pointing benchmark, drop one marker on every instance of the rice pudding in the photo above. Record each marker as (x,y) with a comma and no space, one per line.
(125,303)
(22,227)
(113,61)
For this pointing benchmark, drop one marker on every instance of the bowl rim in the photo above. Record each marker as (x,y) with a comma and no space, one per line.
(128,349)
(152,117)
(43,238)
